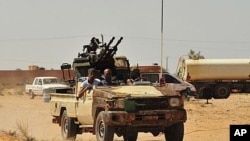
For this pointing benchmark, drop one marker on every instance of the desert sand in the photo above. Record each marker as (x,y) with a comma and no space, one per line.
(206,122)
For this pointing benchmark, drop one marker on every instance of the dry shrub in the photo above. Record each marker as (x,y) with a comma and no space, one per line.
(23,128)
(11,133)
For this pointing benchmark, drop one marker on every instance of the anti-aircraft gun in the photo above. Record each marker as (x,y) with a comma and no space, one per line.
(101,55)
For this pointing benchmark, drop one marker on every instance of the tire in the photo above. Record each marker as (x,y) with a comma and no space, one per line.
(31,94)
(102,130)
(222,91)
(184,95)
(130,136)
(200,89)
(68,127)
(175,132)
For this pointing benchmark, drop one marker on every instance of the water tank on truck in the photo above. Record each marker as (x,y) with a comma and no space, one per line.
(220,75)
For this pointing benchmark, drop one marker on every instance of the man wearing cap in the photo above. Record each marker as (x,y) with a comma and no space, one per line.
(89,83)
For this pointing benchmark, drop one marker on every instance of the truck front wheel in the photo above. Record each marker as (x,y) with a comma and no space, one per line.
(175,132)
(68,127)
(31,94)
(103,131)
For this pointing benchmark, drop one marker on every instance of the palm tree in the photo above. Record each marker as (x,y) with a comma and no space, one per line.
(195,56)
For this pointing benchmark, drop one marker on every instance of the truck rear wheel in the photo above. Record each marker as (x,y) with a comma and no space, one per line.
(68,127)
(222,91)
(130,136)
(102,130)
(175,132)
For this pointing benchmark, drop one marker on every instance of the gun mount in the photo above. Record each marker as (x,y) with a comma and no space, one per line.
(101,55)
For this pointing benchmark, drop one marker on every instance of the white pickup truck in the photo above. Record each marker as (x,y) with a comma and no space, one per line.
(173,83)
(43,86)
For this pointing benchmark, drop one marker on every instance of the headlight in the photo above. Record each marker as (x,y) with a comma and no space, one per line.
(111,103)
(174,102)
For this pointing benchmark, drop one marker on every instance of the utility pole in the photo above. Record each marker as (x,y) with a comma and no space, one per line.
(167,63)
(161,34)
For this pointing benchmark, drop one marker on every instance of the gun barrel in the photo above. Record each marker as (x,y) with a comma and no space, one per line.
(119,41)
(113,51)
(110,42)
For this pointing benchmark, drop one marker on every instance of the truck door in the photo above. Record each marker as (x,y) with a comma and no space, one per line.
(37,88)
(84,109)
(173,84)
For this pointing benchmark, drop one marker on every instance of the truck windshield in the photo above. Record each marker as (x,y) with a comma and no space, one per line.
(172,79)
(50,81)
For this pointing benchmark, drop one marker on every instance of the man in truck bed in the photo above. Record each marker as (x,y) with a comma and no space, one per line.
(89,83)
(107,77)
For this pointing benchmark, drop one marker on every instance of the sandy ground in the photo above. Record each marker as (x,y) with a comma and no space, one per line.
(206,122)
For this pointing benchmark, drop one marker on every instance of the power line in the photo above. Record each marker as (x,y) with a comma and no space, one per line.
(210,41)
(128,37)
(186,40)
(27,61)
(47,38)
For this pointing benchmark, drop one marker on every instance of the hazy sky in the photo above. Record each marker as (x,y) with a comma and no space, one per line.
(48,33)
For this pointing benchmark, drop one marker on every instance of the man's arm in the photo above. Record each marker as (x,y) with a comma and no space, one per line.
(83,90)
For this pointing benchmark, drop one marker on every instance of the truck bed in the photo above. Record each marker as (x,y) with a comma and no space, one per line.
(62,100)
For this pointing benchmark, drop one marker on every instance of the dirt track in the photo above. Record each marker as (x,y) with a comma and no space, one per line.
(206,122)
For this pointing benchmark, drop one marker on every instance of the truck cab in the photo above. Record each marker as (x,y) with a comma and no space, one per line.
(181,87)
(172,82)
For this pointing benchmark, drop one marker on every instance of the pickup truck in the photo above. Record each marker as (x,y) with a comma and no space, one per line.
(121,110)
(124,110)
(43,85)
(177,85)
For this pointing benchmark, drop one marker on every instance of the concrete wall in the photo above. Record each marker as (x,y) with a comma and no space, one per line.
(14,78)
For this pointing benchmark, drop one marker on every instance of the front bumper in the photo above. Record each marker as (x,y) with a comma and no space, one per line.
(152,118)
